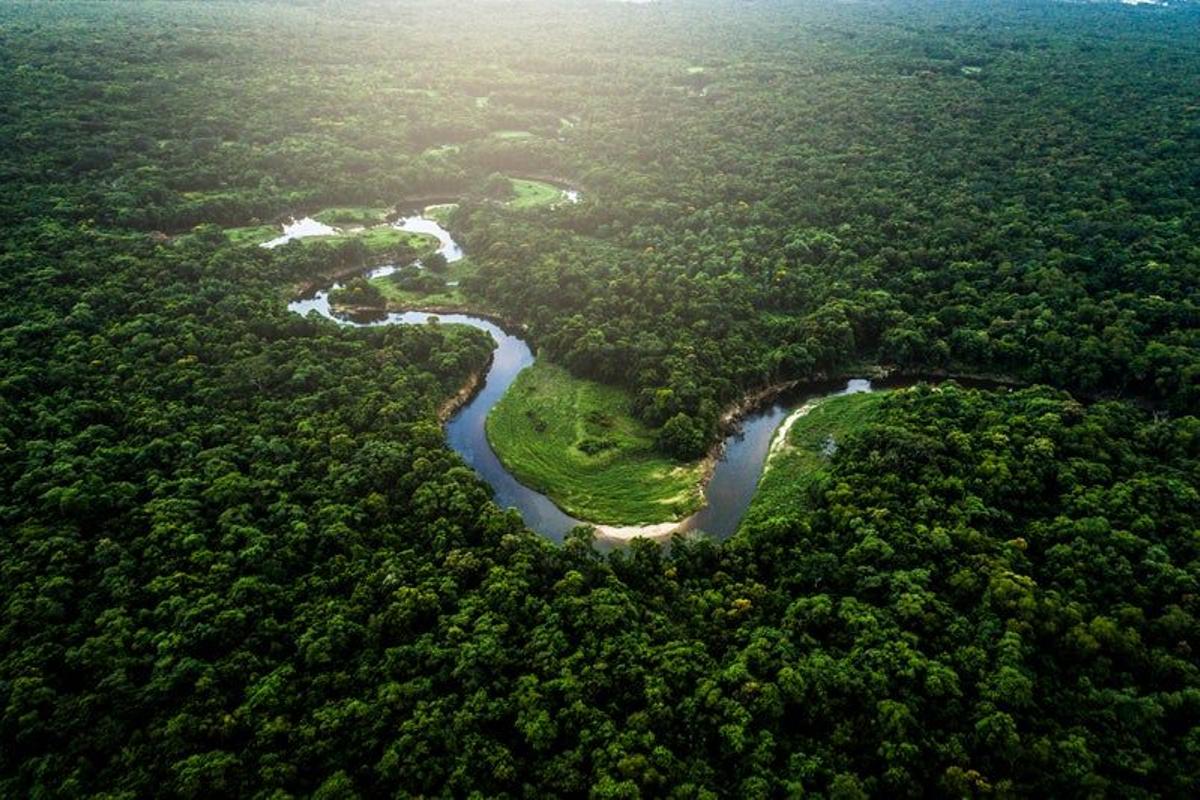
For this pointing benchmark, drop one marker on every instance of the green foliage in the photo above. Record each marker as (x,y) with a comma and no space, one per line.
(410,287)
(356,215)
(443,213)
(380,241)
(435,262)
(239,560)
(682,437)
(794,464)
(413,279)
(499,187)
(357,292)
(252,234)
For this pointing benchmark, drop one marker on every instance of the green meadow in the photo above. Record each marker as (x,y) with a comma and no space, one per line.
(252,234)
(576,441)
(379,239)
(533,194)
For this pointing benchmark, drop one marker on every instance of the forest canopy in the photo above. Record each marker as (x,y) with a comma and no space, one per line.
(239,559)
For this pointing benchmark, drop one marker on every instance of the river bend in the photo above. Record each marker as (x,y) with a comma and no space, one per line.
(735,476)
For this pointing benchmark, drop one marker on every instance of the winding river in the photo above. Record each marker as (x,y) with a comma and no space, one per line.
(734,478)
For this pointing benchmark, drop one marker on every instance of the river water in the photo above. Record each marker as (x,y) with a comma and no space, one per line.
(728,492)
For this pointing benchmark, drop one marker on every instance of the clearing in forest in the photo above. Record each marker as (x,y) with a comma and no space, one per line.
(534,194)
(576,441)
(416,287)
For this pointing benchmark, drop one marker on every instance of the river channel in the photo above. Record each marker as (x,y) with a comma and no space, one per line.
(734,479)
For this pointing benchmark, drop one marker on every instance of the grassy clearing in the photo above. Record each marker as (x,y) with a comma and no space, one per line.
(381,240)
(447,297)
(384,237)
(252,234)
(810,444)
(576,441)
(533,194)
(351,215)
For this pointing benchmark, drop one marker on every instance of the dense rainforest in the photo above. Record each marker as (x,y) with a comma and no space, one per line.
(239,560)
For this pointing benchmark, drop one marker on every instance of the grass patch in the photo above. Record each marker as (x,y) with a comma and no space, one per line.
(381,240)
(252,234)
(533,194)
(576,441)
(384,237)
(351,215)
(810,444)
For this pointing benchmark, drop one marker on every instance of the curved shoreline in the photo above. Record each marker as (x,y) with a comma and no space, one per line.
(310,286)
(729,423)
(627,533)
(779,441)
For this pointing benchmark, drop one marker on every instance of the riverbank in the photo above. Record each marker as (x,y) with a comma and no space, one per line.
(748,430)
(466,392)
(308,287)
(803,445)
(749,456)
(779,442)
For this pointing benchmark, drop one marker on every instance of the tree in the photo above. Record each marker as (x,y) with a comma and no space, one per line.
(682,438)
(435,262)
(498,187)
